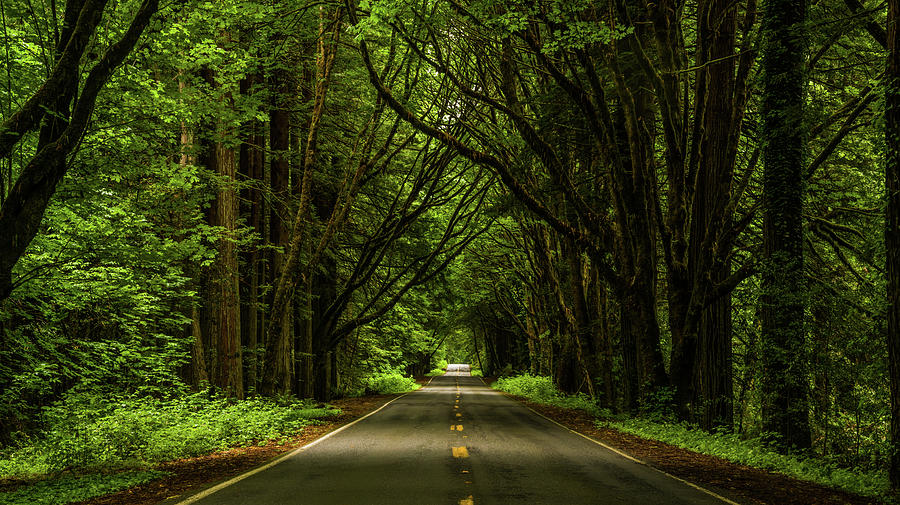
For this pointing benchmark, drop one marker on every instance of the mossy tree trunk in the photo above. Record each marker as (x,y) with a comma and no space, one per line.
(785,402)
(892,229)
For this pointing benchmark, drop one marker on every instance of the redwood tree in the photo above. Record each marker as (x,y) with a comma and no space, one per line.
(785,404)
(892,229)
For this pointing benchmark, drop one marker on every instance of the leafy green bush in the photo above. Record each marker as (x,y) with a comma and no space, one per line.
(541,389)
(87,433)
(476,372)
(535,388)
(435,372)
(70,489)
(391,383)
(754,452)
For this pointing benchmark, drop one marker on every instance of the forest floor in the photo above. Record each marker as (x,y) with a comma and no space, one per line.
(743,484)
(192,474)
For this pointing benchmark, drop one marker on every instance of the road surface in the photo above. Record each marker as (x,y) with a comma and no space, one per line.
(456,442)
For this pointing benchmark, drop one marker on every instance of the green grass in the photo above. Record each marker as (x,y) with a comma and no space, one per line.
(435,372)
(71,489)
(752,452)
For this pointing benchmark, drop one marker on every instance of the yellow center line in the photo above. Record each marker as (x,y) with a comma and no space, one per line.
(460,452)
(467,501)
(458,414)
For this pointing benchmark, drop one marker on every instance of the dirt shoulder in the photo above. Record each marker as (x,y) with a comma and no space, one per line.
(739,483)
(192,474)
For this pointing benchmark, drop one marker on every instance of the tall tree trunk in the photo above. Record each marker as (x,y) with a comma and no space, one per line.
(277,369)
(712,190)
(223,293)
(785,403)
(199,377)
(288,274)
(892,229)
(628,351)
(226,308)
(251,166)
(603,337)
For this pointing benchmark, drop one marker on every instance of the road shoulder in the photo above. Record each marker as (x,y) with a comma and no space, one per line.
(742,484)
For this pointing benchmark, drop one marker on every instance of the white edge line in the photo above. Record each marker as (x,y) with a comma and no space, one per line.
(234,480)
(632,458)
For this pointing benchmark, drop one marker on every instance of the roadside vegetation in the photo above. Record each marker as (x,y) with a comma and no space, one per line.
(389,383)
(658,424)
(91,446)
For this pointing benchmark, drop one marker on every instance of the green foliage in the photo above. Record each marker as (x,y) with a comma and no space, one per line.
(69,489)
(659,406)
(86,432)
(476,372)
(542,390)
(391,383)
(753,452)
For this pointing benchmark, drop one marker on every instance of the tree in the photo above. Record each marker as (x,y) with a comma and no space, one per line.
(23,208)
(892,229)
(785,405)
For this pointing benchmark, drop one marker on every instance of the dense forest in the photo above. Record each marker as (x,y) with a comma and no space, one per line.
(680,209)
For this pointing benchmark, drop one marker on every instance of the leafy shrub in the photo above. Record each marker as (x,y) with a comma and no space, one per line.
(85,433)
(534,387)
(70,489)
(541,389)
(476,372)
(391,383)
(435,372)
(660,406)
(753,452)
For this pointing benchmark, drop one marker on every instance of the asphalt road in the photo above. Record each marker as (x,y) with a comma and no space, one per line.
(456,442)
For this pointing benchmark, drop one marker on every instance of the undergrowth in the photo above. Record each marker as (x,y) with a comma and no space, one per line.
(390,383)
(753,452)
(69,489)
(87,433)
(542,390)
